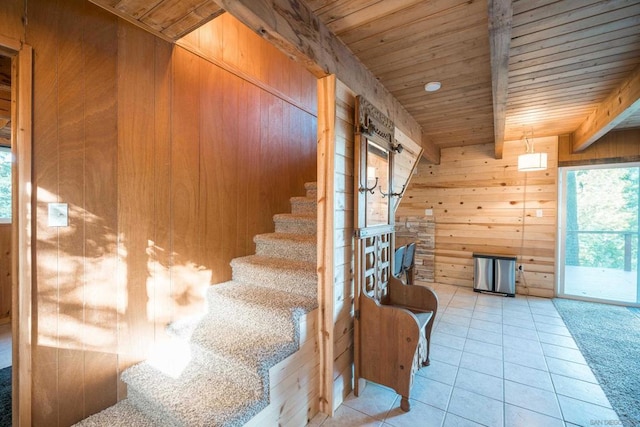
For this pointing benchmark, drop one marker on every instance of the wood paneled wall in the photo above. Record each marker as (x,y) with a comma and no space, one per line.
(615,147)
(343,291)
(5,273)
(485,205)
(170,165)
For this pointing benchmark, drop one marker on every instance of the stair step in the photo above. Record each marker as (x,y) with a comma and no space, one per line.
(122,414)
(312,189)
(198,396)
(301,247)
(219,338)
(295,223)
(303,205)
(284,275)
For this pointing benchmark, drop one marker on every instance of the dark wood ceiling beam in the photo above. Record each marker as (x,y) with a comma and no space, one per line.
(621,103)
(500,22)
(292,27)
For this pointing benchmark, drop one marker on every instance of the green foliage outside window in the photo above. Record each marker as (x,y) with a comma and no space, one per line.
(5,183)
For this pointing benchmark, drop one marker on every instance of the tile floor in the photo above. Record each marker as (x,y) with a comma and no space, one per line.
(495,361)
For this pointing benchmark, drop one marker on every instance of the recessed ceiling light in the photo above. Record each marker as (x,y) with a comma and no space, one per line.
(432,86)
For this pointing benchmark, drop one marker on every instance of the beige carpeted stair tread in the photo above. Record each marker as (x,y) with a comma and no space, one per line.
(304,205)
(301,247)
(198,396)
(312,189)
(122,414)
(295,223)
(285,275)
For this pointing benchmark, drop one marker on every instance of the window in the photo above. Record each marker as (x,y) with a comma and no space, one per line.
(5,184)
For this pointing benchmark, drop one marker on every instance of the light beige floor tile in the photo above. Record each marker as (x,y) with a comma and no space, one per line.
(489,309)
(547,320)
(476,407)
(347,417)
(451,329)
(553,329)
(431,392)
(483,349)
(557,340)
(459,312)
(484,325)
(375,401)
(445,354)
(515,416)
(587,414)
(528,376)
(481,364)
(452,420)
(455,319)
(523,344)
(419,415)
(447,340)
(534,399)
(485,336)
(564,353)
(521,323)
(571,369)
(580,390)
(479,315)
(439,371)
(520,332)
(480,383)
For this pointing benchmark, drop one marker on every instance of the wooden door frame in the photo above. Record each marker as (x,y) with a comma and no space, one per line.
(22,225)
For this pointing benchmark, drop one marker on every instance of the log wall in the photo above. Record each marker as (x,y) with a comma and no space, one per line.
(484,205)
(170,164)
(5,273)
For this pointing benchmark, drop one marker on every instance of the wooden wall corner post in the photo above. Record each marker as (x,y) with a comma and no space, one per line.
(22,234)
(325,173)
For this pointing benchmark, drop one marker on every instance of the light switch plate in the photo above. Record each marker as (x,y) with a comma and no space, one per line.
(539,213)
(428,212)
(58,215)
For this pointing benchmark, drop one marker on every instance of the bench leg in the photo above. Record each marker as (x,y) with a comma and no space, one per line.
(404,404)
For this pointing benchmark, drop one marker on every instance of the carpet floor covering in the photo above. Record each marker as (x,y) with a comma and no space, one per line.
(609,338)
(5,397)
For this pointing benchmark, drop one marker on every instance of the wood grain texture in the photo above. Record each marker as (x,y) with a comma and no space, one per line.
(618,146)
(5,271)
(485,205)
(122,138)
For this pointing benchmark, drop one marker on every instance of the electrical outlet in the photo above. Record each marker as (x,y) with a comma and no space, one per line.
(521,268)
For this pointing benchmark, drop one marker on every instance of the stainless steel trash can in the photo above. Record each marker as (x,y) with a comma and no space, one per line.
(483,273)
(494,273)
(505,275)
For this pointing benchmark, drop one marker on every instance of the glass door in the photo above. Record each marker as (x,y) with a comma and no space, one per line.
(599,225)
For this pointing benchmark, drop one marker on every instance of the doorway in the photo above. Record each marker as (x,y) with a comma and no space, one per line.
(599,225)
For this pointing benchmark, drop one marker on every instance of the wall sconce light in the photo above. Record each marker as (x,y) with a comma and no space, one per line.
(531,161)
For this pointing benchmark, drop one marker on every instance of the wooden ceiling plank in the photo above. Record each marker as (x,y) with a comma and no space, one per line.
(136,9)
(613,48)
(623,102)
(292,27)
(573,73)
(500,23)
(559,34)
(522,6)
(168,12)
(630,35)
(406,17)
(428,31)
(127,17)
(195,19)
(566,12)
(598,77)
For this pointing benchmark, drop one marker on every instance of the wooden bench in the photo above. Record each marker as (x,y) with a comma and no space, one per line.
(395,334)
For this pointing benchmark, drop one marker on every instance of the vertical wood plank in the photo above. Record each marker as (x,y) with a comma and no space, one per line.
(189,269)
(71,262)
(162,249)
(212,166)
(229,152)
(135,191)
(5,272)
(42,36)
(251,156)
(100,211)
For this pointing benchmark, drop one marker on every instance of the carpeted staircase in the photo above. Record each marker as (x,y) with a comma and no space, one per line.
(252,323)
